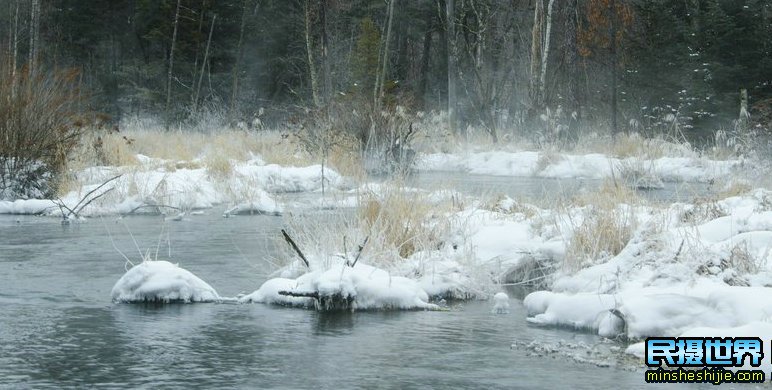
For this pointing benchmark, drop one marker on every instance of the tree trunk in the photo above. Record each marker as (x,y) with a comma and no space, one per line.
(385,61)
(203,66)
(310,53)
(34,28)
(14,57)
(694,16)
(545,53)
(237,65)
(744,113)
(536,52)
(325,53)
(450,15)
(572,77)
(425,62)
(613,50)
(171,66)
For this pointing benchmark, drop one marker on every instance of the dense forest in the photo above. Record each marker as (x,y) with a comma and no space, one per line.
(648,66)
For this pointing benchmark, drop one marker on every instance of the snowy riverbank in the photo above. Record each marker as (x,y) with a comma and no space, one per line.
(604,262)
(687,268)
(688,168)
(157,185)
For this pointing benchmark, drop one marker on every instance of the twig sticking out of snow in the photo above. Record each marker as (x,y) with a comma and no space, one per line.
(359,252)
(295,247)
(83,203)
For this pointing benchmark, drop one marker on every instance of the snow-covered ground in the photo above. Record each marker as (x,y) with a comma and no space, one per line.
(177,186)
(687,268)
(591,166)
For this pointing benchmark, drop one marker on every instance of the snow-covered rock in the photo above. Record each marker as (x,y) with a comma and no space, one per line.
(161,281)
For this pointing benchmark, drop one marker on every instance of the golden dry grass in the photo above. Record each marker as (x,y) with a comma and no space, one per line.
(605,226)
(402,220)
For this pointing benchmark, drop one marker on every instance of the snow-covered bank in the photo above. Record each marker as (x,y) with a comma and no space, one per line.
(590,166)
(157,185)
(687,267)
(161,281)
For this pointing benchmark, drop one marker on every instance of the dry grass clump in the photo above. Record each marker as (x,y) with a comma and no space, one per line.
(218,166)
(609,194)
(602,234)
(182,145)
(734,188)
(743,261)
(736,265)
(503,204)
(342,153)
(402,220)
(396,222)
(633,145)
(547,157)
(703,210)
(603,228)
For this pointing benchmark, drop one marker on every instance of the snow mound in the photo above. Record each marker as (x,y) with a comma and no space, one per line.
(161,281)
(501,303)
(362,287)
(280,179)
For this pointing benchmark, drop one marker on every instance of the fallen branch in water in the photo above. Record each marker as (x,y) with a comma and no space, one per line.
(145,205)
(84,201)
(304,294)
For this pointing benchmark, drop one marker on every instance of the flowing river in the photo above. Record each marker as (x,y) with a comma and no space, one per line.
(58,327)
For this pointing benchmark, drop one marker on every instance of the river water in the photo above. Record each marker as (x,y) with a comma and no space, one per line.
(58,327)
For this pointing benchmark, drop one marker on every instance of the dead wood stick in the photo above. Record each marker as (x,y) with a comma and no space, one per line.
(92,191)
(295,247)
(359,252)
(302,294)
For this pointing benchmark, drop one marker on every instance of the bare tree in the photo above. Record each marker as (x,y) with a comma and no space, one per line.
(545,51)
(325,52)
(385,59)
(613,53)
(34,30)
(203,65)
(15,49)
(450,20)
(171,65)
(237,65)
(310,54)
(571,51)
(536,59)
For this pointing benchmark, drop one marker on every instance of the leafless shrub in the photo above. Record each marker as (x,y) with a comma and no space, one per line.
(38,129)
